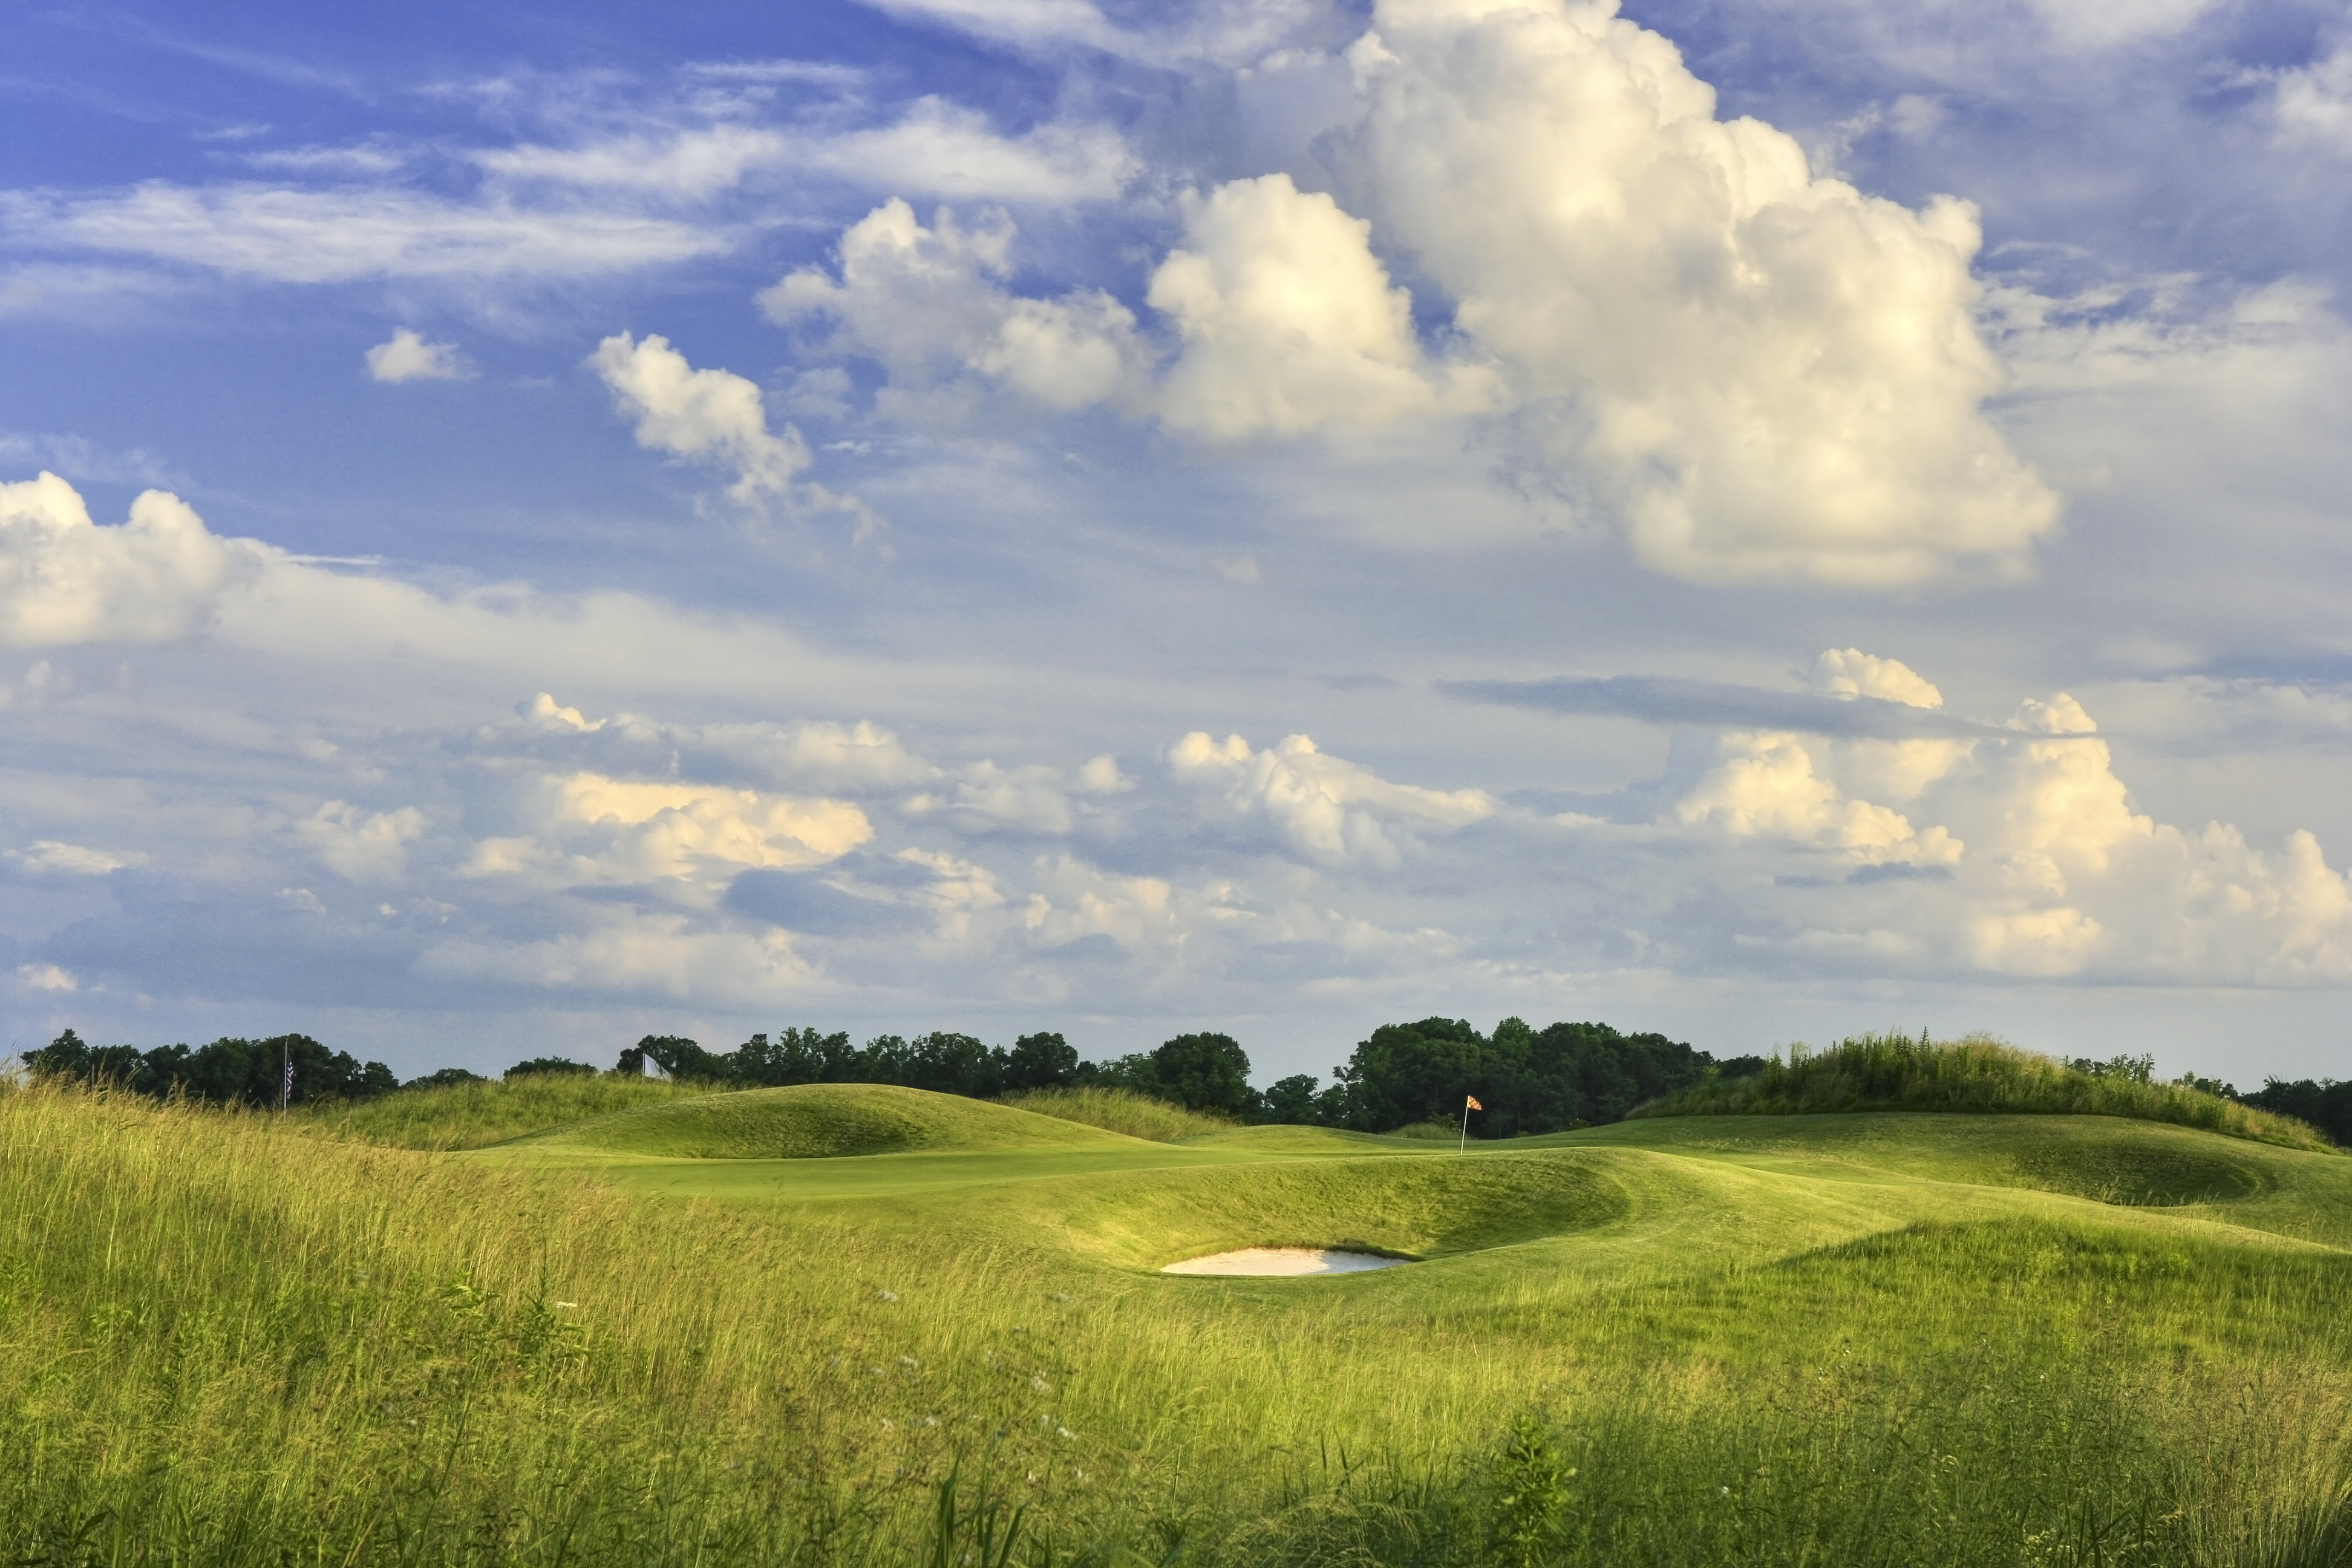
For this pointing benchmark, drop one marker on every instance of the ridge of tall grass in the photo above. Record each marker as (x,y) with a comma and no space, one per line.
(1976,1074)
(225,1342)
(444,1116)
(1121,1111)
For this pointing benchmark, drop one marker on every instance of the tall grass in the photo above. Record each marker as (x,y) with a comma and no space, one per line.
(223,1342)
(1977,1074)
(1121,1111)
(477,1115)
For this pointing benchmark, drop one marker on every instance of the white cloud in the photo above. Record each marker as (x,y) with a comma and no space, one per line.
(1233,33)
(1326,807)
(1755,372)
(59,859)
(2106,24)
(589,829)
(1764,784)
(156,578)
(1288,322)
(2039,865)
(931,305)
(362,846)
(713,415)
(935,147)
(45,977)
(1029,23)
(2315,103)
(1848,672)
(692,164)
(406,356)
(1752,373)
(1283,320)
(717,418)
(627,951)
(942,149)
(338,236)
(1031,797)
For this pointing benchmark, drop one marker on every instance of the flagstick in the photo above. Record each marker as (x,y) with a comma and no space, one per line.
(1464,1149)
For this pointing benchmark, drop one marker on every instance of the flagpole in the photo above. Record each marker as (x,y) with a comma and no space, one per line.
(1464,1149)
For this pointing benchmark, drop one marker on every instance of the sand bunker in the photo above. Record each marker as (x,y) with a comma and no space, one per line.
(1282,1260)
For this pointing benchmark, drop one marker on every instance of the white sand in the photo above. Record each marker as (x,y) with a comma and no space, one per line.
(1282,1260)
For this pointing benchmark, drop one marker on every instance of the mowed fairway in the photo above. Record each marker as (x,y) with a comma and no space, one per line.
(766,1326)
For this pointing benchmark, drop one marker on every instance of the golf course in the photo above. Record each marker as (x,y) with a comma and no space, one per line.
(591,1320)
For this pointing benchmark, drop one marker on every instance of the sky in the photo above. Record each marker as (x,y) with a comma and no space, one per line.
(524,526)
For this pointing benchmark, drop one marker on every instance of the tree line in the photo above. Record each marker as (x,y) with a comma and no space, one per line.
(1528,1080)
(226,1072)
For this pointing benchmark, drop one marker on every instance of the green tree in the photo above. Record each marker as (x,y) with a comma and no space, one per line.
(1041,1061)
(1205,1072)
(546,1065)
(1291,1101)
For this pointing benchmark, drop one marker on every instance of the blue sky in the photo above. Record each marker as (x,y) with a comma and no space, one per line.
(1753,519)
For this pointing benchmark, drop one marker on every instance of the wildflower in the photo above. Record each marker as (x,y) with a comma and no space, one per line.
(1065,1432)
(1064,1296)
(887,1295)
(1040,1384)
(909,1361)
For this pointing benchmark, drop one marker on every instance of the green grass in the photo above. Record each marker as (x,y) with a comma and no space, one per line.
(475,1115)
(815,1121)
(1869,1339)
(1121,1111)
(1979,1074)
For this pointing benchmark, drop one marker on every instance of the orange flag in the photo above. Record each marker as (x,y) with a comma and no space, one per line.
(1473,1102)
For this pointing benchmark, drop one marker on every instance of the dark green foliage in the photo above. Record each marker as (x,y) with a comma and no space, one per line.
(538,1065)
(677,1055)
(1528,1081)
(226,1072)
(445,1077)
(1531,1495)
(1041,1061)
(2326,1104)
(1205,1072)
(1979,1075)
(942,1061)
(2140,1069)
(1291,1101)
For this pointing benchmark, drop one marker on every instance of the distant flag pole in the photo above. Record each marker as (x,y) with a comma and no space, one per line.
(1469,1104)
(285,1079)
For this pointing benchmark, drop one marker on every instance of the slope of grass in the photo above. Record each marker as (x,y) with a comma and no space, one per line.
(1121,1111)
(816,1121)
(475,1115)
(1889,1072)
(1874,1340)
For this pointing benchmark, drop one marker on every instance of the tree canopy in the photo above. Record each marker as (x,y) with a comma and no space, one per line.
(227,1072)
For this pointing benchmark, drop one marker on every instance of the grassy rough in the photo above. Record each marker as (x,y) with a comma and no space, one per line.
(477,1115)
(1877,1339)
(1977,1074)
(1123,1111)
(817,1122)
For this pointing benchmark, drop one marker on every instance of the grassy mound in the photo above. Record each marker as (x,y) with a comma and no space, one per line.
(1403,1208)
(475,1115)
(1121,1111)
(1979,1074)
(817,1122)
(1848,1339)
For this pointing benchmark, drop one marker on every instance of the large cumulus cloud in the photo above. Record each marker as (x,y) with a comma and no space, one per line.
(1750,370)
